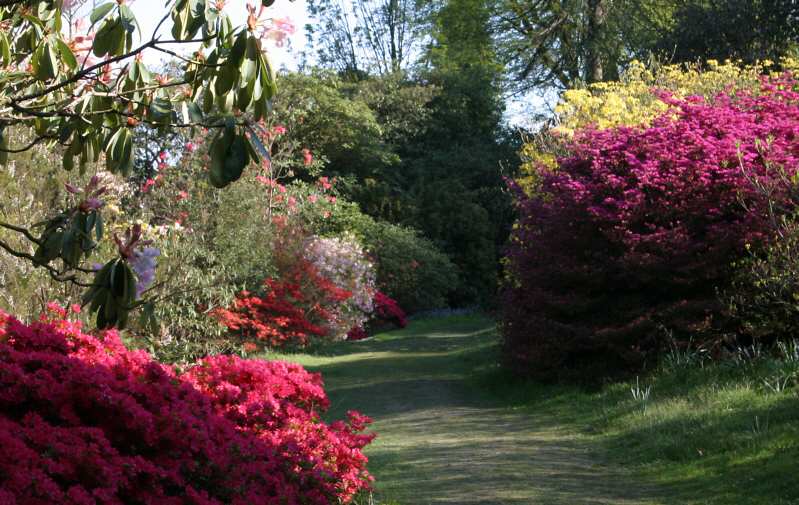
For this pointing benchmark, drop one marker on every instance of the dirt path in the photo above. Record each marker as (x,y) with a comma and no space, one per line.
(442,442)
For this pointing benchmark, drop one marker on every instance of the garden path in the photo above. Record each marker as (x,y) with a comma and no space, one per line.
(443,441)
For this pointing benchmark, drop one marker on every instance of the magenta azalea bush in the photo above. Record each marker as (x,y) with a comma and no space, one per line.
(633,233)
(83,420)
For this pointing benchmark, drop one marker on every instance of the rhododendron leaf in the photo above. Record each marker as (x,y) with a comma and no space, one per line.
(239,49)
(66,54)
(3,146)
(5,49)
(250,62)
(255,140)
(267,75)
(191,112)
(100,12)
(119,152)
(161,110)
(68,161)
(110,39)
(112,276)
(208,98)
(127,18)
(130,288)
(44,62)
(218,152)
(180,20)
(267,3)
(225,79)
(98,227)
(238,157)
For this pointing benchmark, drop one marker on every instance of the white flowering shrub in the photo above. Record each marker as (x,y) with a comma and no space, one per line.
(343,261)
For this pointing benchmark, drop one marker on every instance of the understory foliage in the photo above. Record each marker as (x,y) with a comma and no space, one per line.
(636,229)
(84,420)
(763,298)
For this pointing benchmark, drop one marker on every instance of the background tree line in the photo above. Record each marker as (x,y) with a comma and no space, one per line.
(432,79)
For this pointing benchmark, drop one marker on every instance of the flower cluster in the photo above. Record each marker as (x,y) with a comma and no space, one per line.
(387,309)
(300,305)
(357,333)
(274,319)
(631,102)
(343,261)
(637,228)
(143,264)
(83,420)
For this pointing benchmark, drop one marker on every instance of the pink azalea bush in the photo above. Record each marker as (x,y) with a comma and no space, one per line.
(636,229)
(84,420)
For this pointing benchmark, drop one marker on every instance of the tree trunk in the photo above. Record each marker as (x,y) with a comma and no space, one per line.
(597,14)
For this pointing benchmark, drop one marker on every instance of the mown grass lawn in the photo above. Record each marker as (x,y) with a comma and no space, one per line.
(454,428)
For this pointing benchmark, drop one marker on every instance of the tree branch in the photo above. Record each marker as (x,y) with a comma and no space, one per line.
(28,146)
(23,231)
(54,273)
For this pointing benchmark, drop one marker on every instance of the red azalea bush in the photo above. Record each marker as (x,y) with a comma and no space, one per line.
(83,420)
(387,309)
(289,312)
(357,333)
(636,230)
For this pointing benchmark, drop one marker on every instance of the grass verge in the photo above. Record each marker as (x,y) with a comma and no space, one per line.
(694,433)
(706,433)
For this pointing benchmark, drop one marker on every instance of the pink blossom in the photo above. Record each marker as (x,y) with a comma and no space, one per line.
(148,184)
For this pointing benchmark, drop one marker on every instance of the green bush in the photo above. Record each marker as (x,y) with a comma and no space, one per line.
(410,268)
(764,297)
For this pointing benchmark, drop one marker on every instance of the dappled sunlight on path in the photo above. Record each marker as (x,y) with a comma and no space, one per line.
(442,440)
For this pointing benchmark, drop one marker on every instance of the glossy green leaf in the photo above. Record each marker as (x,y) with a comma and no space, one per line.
(129,22)
(66,55)
(44,62)
(5,50)
(237,159)
(101,11)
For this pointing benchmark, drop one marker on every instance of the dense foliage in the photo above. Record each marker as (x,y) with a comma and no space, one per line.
(762,298)
(637,227)
(84,420)
(49,57)
(410,268)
